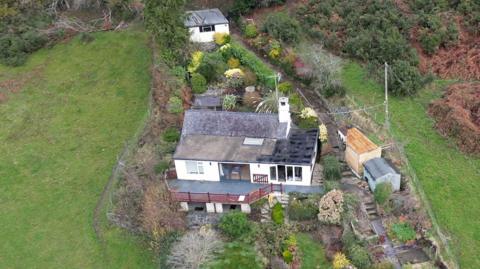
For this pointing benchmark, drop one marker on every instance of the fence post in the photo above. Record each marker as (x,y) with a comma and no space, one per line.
(208,196)
(189,198)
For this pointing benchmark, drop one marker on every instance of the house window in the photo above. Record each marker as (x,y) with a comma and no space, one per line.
(207,28)
(194,167)
(290,173)
(298,173)
(273,173)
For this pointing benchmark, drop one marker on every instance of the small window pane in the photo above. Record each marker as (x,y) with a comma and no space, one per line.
(200,167)
(273,173)
(191,167)
(298,173)
(289,173)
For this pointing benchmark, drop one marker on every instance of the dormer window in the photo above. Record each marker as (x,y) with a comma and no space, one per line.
(250,141)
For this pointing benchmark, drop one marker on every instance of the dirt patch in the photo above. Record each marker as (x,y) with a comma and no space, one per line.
(459,61)
(15,85)
(457,115)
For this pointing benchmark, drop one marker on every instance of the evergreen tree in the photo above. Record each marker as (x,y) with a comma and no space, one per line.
(165,19)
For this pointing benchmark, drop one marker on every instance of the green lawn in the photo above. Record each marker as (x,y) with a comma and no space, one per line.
(313,254)
(450,179)
(59,138)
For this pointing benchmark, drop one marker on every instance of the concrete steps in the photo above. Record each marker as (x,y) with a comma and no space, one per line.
(371,209)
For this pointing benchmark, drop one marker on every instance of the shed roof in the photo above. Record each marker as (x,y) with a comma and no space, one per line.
(204,17)
(239,124)
(378,167)
(202,101)
(359,142)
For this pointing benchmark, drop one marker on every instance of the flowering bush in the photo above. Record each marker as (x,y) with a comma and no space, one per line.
(197,57)
(234,73)
(340,261)
(233,62)
(275,49)
(331,207)
(221,38)
(323,136)
(308,112)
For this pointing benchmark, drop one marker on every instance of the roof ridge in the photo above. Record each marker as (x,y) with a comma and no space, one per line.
(231,112)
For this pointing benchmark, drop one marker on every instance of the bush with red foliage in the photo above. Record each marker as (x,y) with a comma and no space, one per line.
(457,115)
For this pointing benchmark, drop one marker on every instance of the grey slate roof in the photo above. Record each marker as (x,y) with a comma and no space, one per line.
(204,17)
(378,167)
(203,101)
(237,124)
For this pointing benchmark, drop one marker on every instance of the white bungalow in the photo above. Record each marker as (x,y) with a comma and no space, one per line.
(222,152)
(203,24)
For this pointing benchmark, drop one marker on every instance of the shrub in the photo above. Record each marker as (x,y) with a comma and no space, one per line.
(277,214)
(235,224)
(161,167)
(403,231)
(195,62)
(249,77)
(282,26)
(199,83)
(331,168)
(175,105)
(335,88)
(296,103)
(229,102)
(340,261)
(233,63)
(406,81)
(212,66)
(308,123)
(249,59)
(308,112)
(195,248)
(331,185)
(430,41)
(323,133)
(287,256)
(250,30)
(382,192)
(171,135)
(384,265)
(331,207)
(251,99)
(302,209)
(221,38)
(285,87)
(359,256)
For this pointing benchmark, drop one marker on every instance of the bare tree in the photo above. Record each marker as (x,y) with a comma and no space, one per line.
(194,249)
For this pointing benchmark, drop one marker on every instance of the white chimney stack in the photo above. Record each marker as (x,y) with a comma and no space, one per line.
(283,110)
(284,113)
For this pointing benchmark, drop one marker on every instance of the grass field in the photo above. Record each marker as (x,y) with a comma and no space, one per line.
(450,179)
(313,254)
(59,138)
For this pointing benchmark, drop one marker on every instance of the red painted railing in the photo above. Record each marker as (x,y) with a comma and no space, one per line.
(257,178)
(227,198)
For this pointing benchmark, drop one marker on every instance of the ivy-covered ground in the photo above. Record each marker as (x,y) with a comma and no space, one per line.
(64,119)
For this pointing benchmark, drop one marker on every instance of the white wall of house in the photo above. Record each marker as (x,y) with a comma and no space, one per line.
(197,36)
(210,171)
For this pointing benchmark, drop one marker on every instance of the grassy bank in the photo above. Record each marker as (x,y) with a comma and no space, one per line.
(60,135)
(449,178)
(313,254)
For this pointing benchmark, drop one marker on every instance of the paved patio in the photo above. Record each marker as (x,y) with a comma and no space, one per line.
(231,187)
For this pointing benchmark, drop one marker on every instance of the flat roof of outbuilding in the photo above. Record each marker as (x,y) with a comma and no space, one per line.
(359,142)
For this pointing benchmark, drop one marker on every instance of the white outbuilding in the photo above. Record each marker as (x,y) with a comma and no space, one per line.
(379,170)
(203,24)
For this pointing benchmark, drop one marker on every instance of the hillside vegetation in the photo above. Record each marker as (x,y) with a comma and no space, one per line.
(66,115)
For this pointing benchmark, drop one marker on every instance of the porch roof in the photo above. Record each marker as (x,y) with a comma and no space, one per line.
(232,187)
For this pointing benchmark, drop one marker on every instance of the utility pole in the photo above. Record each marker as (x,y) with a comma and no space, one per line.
(387,123)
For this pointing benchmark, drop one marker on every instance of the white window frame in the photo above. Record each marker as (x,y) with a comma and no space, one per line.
(211,28)
(198,170)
